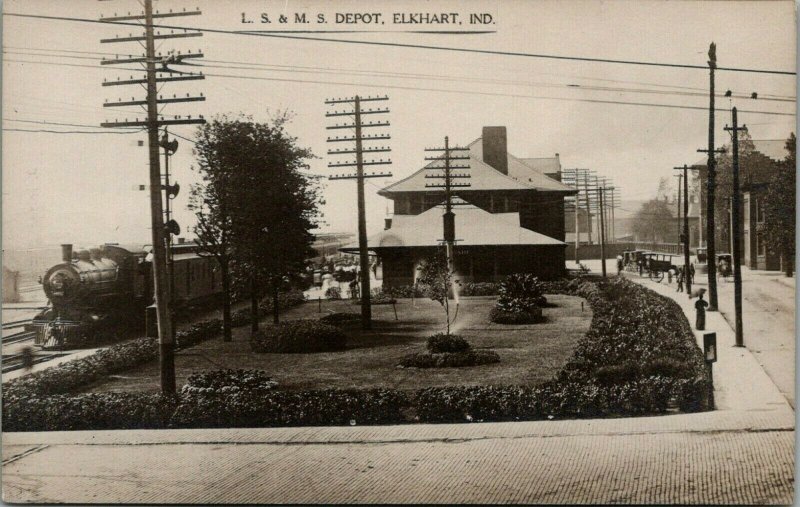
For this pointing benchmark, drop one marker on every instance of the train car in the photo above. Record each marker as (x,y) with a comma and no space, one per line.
(105,291)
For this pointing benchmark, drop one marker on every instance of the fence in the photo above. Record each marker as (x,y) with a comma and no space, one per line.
(586,252)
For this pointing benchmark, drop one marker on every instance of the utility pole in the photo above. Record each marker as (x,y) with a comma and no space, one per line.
(680,178)
(450,182)
(152,123)
(358,124)
(737,267)
(685,234)
(600,194)
(710,243)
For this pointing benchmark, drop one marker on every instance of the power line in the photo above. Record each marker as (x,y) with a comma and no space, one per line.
(442,90)
(68,131)
(234,65)
(411,46)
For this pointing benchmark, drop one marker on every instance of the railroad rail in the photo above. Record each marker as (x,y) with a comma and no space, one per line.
(13,362)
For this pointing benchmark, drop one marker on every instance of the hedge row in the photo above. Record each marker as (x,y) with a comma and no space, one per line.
(285,300)
(639,357)
(466,289)
(77,373)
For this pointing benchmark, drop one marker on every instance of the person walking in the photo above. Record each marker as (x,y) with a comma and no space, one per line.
(700,305)
(679,278)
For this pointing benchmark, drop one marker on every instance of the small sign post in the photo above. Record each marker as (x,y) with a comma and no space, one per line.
(710,356)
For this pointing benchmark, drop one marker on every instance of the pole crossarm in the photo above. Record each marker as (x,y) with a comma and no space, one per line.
(188,77)
(355,176)
(140,38)
(145,123)
(368,137)
(156,15)
(350,100)
(355,164)
(351,113)
(350,151)
(363,125)
(158,101)
(144,59)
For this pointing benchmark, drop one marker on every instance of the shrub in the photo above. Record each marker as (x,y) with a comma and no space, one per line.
(404,291)
(333,293)
(298,336)
(341,319)
(521,292)
(517,317)
(476,403)
(449,359)
(290,408)
(479,289)
(220,381)
(95,411)
(441,342)
(341,275)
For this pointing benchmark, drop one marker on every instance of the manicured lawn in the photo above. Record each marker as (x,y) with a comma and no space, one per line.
(529,354)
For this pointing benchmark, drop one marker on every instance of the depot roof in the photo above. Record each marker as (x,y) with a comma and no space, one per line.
(474,227)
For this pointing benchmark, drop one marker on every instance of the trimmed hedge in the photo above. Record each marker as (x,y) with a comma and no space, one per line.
(441,342)
(500,316)
(228,380)
(449,359)
(341,319)
(298,337)
(287,408)
(639,357)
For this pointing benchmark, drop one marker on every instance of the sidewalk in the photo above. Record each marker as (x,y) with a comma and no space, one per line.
(741,453)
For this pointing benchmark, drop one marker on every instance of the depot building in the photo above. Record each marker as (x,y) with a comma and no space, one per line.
(509,220)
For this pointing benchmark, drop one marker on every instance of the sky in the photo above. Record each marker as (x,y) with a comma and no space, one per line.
(81,187)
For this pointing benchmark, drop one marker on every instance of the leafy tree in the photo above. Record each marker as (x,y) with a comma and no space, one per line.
(274,205)
(654,222)
(210,202)
(780,208)
(436,279)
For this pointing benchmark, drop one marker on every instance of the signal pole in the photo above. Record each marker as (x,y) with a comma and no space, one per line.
(359,150)
(737,265)
(449,218)
(152,123)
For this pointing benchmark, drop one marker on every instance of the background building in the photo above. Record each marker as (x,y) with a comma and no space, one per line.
(510,219)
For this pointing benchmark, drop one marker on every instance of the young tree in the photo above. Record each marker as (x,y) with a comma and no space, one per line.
(436,278)
(780,208)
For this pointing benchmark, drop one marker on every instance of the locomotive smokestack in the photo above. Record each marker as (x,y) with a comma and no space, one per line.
(66,252)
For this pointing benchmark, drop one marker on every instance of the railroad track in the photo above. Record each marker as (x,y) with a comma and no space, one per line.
(13,362)
(19,337)
(16,323)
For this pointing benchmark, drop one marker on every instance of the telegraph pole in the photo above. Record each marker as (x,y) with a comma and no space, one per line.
(678,204)
(737,267)
(685,234)
(710,243)
(152,123)
(172,189)
(450,182)
(602,231)
(359,150)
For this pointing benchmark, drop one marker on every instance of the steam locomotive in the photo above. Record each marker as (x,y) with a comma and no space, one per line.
(107,289)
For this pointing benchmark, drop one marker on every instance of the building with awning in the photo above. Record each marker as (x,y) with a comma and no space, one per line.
(510,219)
(489,246)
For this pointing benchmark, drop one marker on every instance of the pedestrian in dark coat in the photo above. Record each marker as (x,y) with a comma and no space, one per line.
(701,305)
(679,278)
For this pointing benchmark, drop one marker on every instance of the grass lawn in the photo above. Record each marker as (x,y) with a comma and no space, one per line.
(529,354)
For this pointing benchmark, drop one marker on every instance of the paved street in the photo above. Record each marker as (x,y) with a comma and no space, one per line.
(743,453)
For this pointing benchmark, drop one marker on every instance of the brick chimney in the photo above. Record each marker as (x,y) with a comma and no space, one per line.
(495,152)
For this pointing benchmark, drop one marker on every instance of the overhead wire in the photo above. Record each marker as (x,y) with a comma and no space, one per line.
(406,45)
